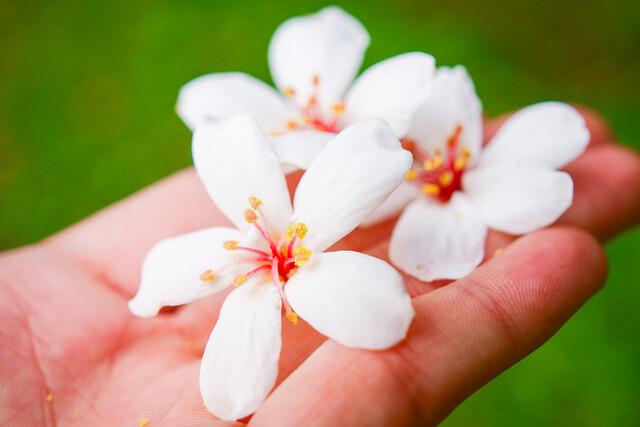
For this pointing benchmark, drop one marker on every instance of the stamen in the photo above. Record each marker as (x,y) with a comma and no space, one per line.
(49,397)
(239,280)
(291,125)
(430,189)
(207,276)
(301,256)
(497,252)
(293,318)
(432,164)
(299,230)
(411,175)
(459,164)
(144,422)
(446,178)
(250,216)
(254,202)
(316,80)
(230,245)
(338,108)
(288,92)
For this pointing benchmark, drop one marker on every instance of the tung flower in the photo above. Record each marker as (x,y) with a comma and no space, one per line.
(313,60)
(275,256)
(456,190)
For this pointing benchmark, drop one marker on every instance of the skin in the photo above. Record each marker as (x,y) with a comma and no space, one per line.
(72,353)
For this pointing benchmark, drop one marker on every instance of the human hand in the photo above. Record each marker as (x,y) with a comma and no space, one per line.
(68,332)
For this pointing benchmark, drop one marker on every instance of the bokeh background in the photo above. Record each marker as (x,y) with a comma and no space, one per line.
(86,118)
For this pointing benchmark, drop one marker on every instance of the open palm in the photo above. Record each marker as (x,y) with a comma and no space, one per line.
(72,354)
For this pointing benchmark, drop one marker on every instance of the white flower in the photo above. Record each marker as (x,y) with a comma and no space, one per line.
(456,190)
(313,60)
(275,256)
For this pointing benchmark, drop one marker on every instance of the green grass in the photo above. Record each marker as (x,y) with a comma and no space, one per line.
(86,117)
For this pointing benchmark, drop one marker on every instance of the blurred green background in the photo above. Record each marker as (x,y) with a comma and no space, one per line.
(86,118)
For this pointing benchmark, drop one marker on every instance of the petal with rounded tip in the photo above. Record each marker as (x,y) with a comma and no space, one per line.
(240,363)
(551,133)
(354,174)
(224,94)
(392,90)
(235,161)
(434,240)
(172,268)
(453,102)
(354,299)
(329,44)
(518,198)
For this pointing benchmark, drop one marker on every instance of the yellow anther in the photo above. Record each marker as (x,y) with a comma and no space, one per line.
(497,252)
(430,189)
(207,276)
(230,245)
(293,318)
(338,108)
(239,280)
(301,256)
(250,216)
(288,92)
(316,80)
(144,422)
(432,164)
(460,163)
(291,124)
(299,229)
(49,398)
(445,178)
(254,202)
(305,120)
(464,152)
(412,174)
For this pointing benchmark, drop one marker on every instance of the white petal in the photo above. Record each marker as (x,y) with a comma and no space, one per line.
(392,90)
(329,44)
(552,133)
(224,94)
(171,270)
(354,299)
(518,197)
(300,148)
(404,194)
(453,101)
(240,363)
(434,240)
(353,175)
(235,161)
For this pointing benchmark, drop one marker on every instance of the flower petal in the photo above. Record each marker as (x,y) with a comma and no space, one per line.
(453,101)
(171,270)
(434,240)
(354,299)
(518,197)
(329,44)
(392,90)
(224,94)
(240,363)
(401,197)
(235,161)
(353,175)
(552,133)
(300,148)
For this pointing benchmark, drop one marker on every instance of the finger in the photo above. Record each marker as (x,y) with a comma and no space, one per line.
(606,191)
(463,335)
(598,127)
